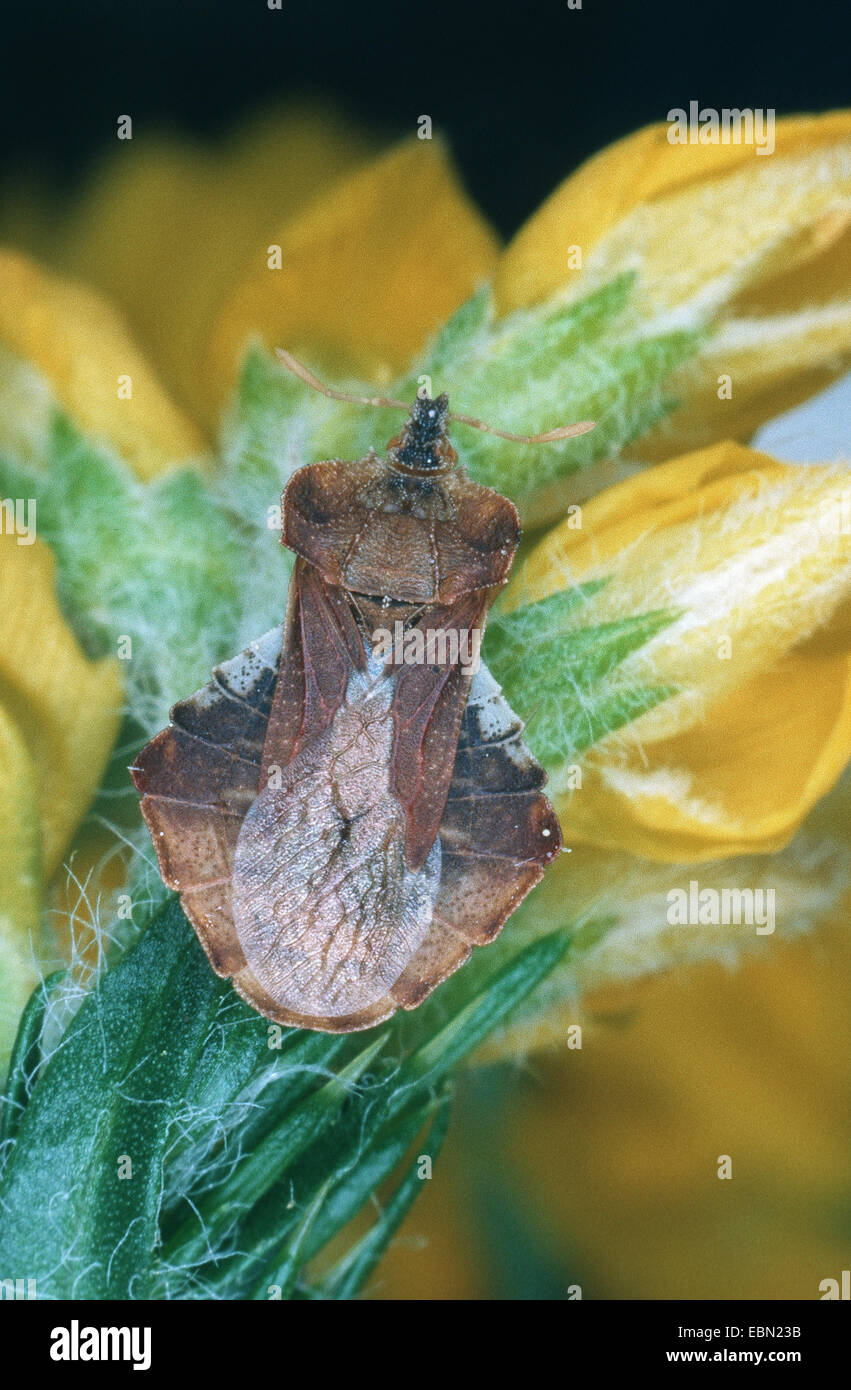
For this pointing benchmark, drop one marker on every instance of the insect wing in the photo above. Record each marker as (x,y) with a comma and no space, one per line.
(322,646)
(327,911)
(428,707)
(497,836)
(197,779)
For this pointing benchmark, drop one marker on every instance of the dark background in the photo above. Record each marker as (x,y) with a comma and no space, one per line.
(524,91)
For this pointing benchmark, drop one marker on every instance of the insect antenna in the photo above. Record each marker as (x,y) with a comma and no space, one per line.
(304,374)
(548,437)
(298,369)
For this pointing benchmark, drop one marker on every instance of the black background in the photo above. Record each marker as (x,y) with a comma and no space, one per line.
(524,91)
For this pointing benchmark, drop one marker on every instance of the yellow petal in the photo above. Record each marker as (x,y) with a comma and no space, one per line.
(367,274)
(80,347)
(64,708)
(621,1140)
(166,226)
(758,246)
(773,364)
(27,408)
(756,556)
(643,904)
(644,169)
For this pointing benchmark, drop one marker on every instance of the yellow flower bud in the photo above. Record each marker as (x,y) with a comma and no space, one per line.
(367,274)
(81,350)
(59,715)
(757,249)
(755,556)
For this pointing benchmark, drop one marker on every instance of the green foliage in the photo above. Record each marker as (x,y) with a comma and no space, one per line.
(548,366)
(563,677)
(244,1159)
(167,564)
(25,1059)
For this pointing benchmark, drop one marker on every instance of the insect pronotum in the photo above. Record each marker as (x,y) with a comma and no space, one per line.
(343,826)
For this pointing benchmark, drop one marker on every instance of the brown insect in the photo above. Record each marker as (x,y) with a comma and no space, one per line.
(343,828)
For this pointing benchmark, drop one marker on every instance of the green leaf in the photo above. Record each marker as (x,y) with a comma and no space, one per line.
(268,1161)
(109,1093)
(484,1012)
(25,1061)
(229,1113)
(351,1273)
(372,1135)
(168,565)
(590,357)
(563,678)
(609,711)
(163,1098)
(364,1167)
(283,1274)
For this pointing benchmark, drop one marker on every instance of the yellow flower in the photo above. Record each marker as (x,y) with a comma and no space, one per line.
(82,352)
(165,227)
(58,719)
(621,1141)
(756,558)
(760,246)
(369,271)
(367,275)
